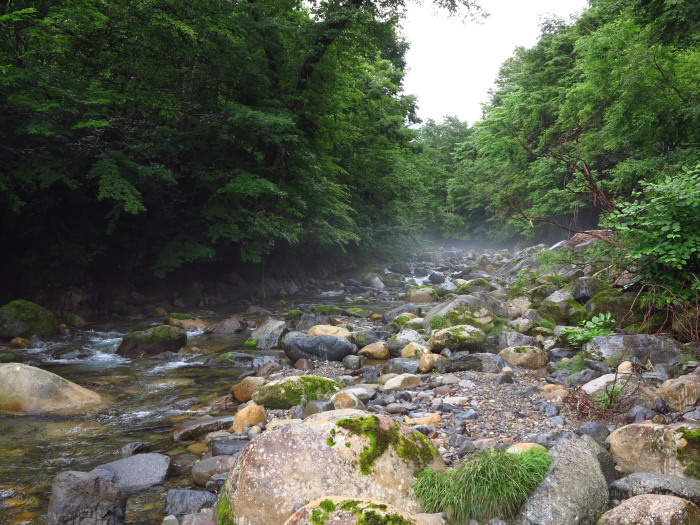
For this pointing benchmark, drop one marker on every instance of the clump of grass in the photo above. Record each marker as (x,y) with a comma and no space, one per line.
(437,322)
(573,365)
(493,484)
(293,314)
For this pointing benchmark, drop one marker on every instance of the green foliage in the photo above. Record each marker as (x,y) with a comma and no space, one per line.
(179,316)
(293,314)
(250,343)
(573,365)
(493,484)
(609,397)
(659,231)
(598,325)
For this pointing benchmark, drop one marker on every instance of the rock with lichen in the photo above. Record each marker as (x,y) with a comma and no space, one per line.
(153,341)
(22,318)
(345,511)
(355,453)
(293,390)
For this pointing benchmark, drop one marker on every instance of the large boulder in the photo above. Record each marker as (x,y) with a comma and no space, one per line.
(84,497)
(456,338)
(652,509)
(618,304)
(290,391)
(661,449)
(269,334)
(657,348)
(298,345)
(478,300)
(153,341)
(22,318)
(135,473)
(575,489)
(350,453)
(28,390)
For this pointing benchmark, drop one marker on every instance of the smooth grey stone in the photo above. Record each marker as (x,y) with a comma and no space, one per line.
(135,472)
(548,409)
(84,497)
(201,426)
(183,501)
(638,413)
(594,429)
(648,483)
(227,447)
(401,365)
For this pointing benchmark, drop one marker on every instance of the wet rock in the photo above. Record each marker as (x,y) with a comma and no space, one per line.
(227,447)
(232,325)
(201,426)
(269,334)
(297,345)
(151,342)
(28,390)
(652,509)
(204,470)
(182,501)
(243,391)
(22,318)
(135,472)
(84,497)
(247,361)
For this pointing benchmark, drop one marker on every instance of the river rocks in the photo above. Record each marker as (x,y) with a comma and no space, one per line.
(460,337)
(530,357)
(400,365)
(84,497)
(508,338)
(647,483)
(575,489)
(203,470)
(326,329)
(243,391)
(378,350)
(652,509)
(28,390)
(153,341)
(188,323)
(400,340)
(610,384)
(459,362)
(414,351)
(680,393)
(182,501)
(201,426)
(232,325)
(344,511)
(269,334)
(661,449)
(135,472)
(251,414)
(657,348)
(22,318)
(424,294)
(290,391)
(401,382)
(298,345)
(426,363)
(325,454)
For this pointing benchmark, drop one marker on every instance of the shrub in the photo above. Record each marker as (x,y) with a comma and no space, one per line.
(492,484)
(599,325)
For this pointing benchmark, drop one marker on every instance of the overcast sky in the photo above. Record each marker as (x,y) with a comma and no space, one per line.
(453,63)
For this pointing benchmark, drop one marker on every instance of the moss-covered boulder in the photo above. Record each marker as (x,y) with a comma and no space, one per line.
(660,449)
(619,304)
(153,341)
(348,452)
(28,390)
(456,338)
(22,318)
(336,509)
(475,316)
(290,391)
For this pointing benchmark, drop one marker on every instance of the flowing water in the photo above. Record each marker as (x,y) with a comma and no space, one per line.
(146,398)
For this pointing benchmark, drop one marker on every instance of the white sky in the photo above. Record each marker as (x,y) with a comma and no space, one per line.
(452,63)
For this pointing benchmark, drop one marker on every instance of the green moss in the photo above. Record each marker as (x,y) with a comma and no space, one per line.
(481,283)
(327,505)
(367,513)
(158,334)
(401,321)
(119,307)
(359,338)
(181,317)
(552,310)
(293,314)
(465,315)
(323,309)
(360,311)
(618,304)
(287,393)
(251,343)
(577,313)
(415,448)
(520,349)
(690,453)
(223,513)
(360,300)
(7,358)
(22,318)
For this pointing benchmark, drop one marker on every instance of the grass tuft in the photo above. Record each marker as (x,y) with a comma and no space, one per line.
(493,484)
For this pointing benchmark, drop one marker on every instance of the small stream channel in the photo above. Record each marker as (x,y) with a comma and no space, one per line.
(147,398)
